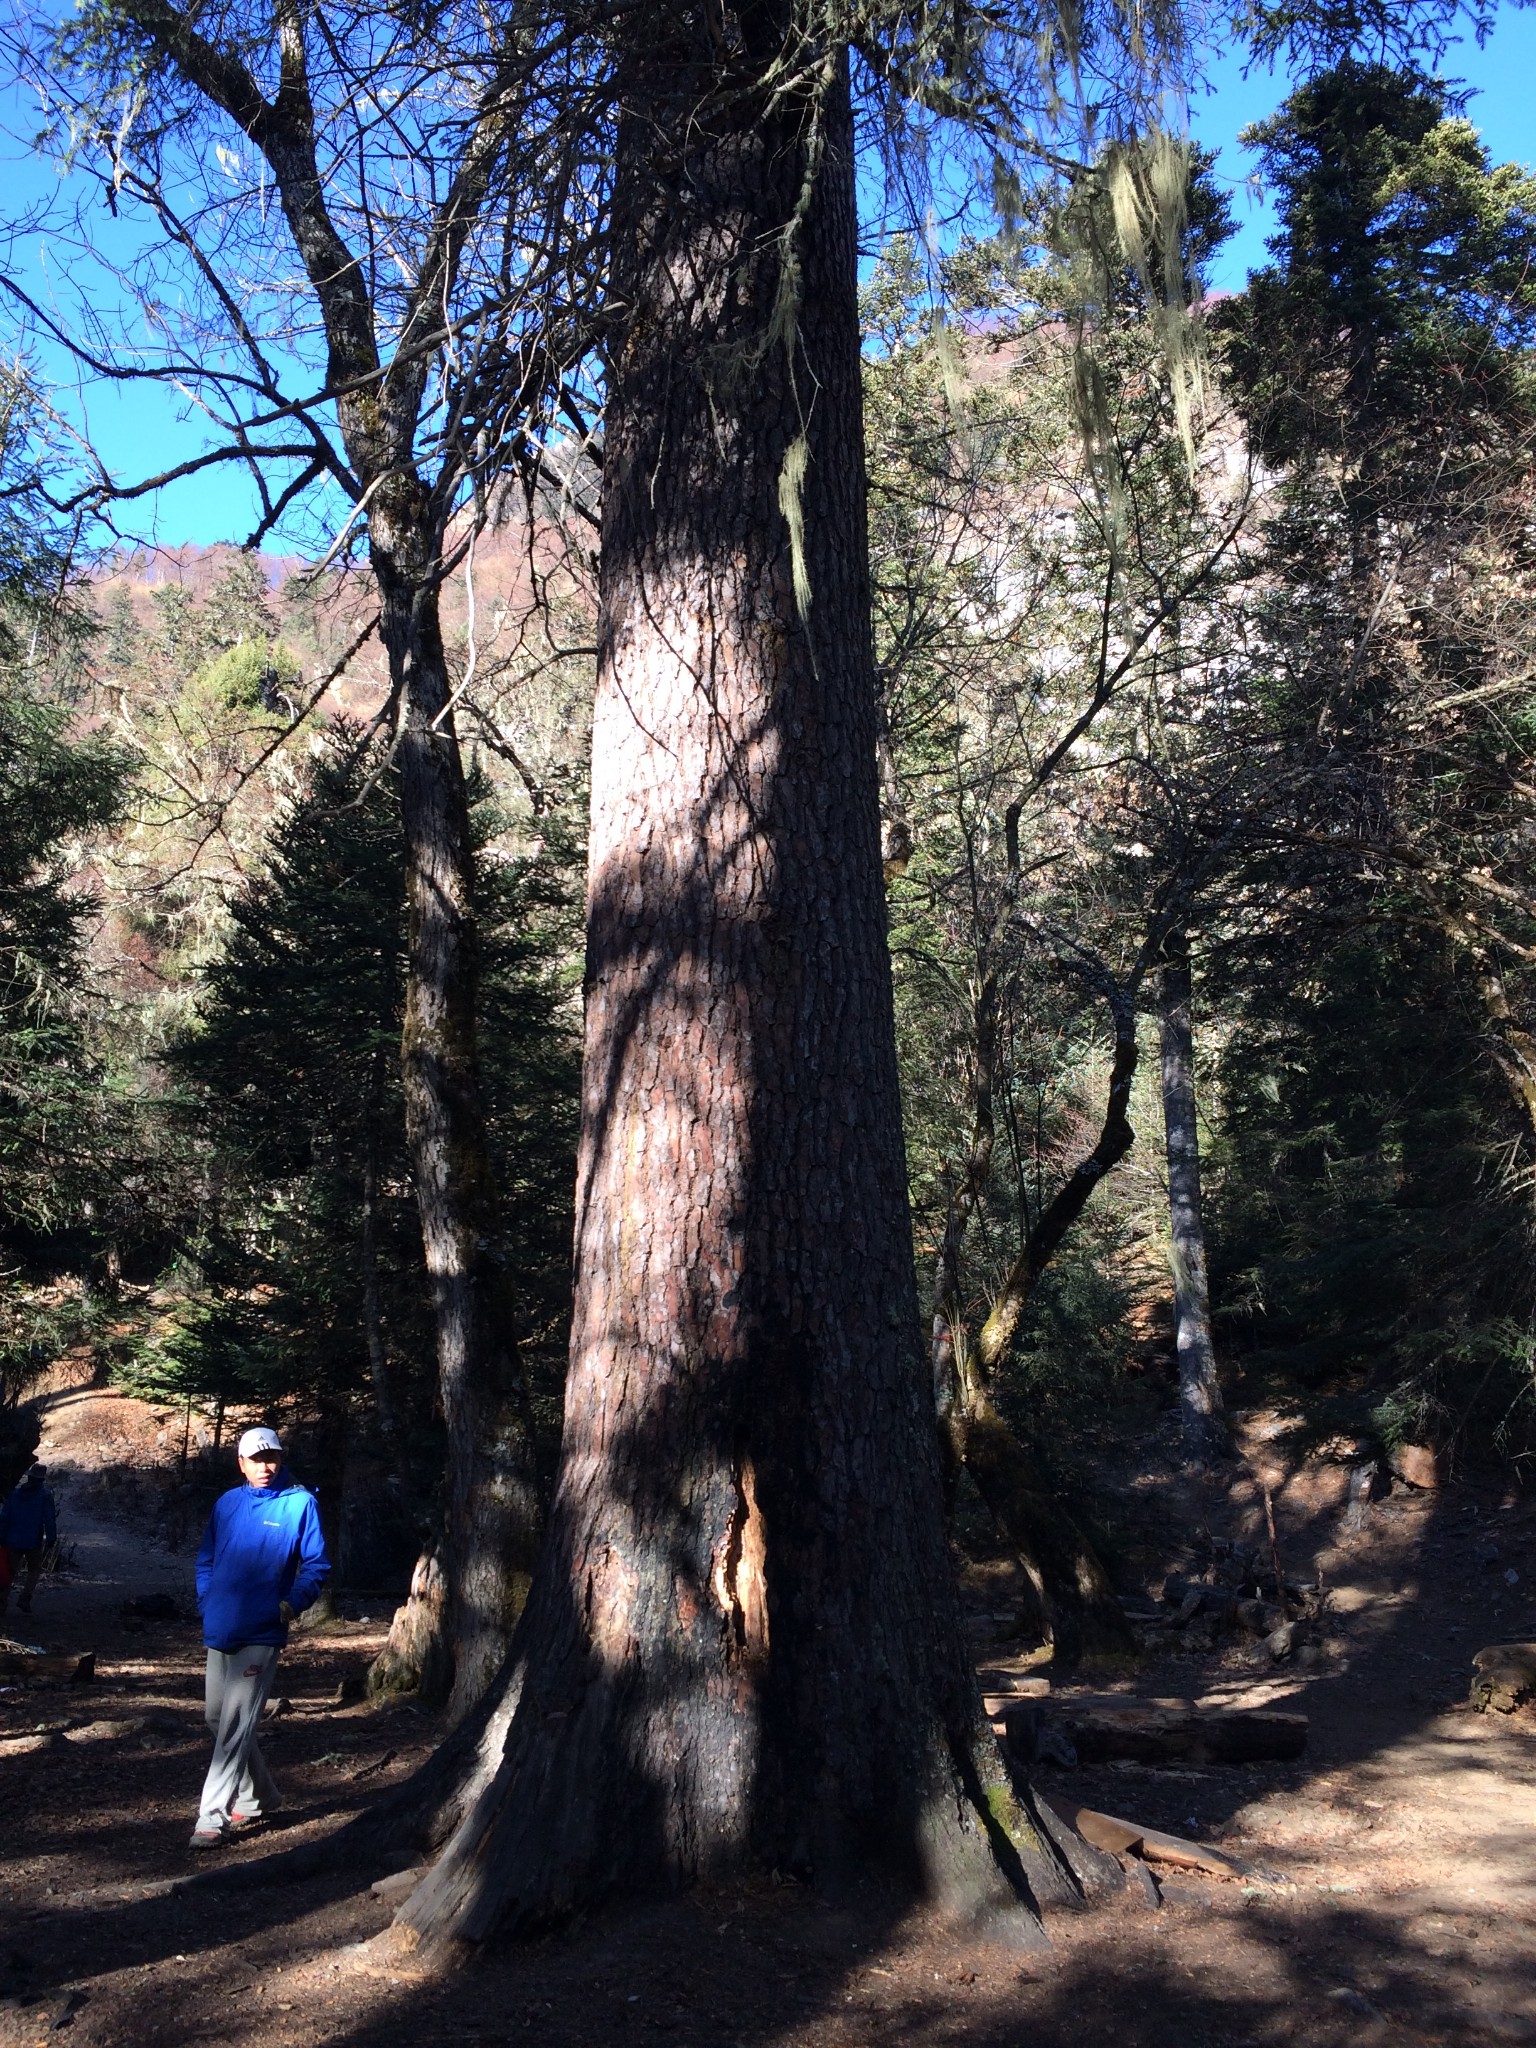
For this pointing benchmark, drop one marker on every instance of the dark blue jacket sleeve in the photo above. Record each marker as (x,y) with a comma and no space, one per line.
(50,1519)
(314,1567)
(205,1551)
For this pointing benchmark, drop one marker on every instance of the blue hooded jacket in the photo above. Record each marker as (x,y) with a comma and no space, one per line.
(262,1546)
(27,1518)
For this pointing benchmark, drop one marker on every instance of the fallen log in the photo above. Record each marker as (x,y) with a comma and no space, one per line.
(1127,1838)
(1503,1675)
(997,1678)
(1156,1732)
(33,1664)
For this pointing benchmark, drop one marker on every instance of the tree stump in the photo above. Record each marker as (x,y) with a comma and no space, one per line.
(1503,1677)
(417,1656)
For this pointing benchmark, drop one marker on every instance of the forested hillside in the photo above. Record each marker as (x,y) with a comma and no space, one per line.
(227,1218)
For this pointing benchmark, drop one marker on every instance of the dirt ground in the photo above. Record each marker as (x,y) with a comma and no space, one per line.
(1403,1844)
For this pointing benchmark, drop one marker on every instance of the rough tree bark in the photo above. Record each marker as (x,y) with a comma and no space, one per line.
(742,1644)
(492,1516)
(1200,1403)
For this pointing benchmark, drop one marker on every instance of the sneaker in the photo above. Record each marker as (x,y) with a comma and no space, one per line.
(207,1838)
(246,1823)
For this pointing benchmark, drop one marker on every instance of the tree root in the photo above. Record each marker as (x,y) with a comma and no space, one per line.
(416,1816)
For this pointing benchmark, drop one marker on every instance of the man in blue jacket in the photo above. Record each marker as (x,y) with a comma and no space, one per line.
(262,1562)
(27,1526)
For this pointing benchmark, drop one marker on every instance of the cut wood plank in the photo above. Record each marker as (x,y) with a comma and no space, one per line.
(1175,1704)
(51,1741)
(27,1664)
(1127,1838)
(997,1704)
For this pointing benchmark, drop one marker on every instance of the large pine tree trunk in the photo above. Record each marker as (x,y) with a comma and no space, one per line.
(1200,1402)
(492,1517)
(742,1645)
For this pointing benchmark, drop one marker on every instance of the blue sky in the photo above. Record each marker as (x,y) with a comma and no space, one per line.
(139,429)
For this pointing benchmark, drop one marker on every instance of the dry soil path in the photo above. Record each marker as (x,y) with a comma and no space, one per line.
(1405,1842)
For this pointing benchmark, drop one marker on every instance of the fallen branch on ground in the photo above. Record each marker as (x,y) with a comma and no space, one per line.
(1126,1838)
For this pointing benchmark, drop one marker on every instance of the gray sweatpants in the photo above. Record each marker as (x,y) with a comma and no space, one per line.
(238,1781)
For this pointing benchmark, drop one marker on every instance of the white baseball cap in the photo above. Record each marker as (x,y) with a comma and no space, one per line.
(256,1440)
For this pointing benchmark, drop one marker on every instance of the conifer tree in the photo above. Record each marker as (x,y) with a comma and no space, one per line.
(1384,364)
(313,1291)
(59,789)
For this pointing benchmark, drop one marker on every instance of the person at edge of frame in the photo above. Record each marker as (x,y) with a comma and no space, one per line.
(261,1563)
(28,1525)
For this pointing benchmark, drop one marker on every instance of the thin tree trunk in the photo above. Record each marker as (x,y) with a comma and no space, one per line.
(492,1514)
(87,1258)
(1073,1603)
(1200,1402)
(967,1192)
(1115,1139)
(742,1646)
